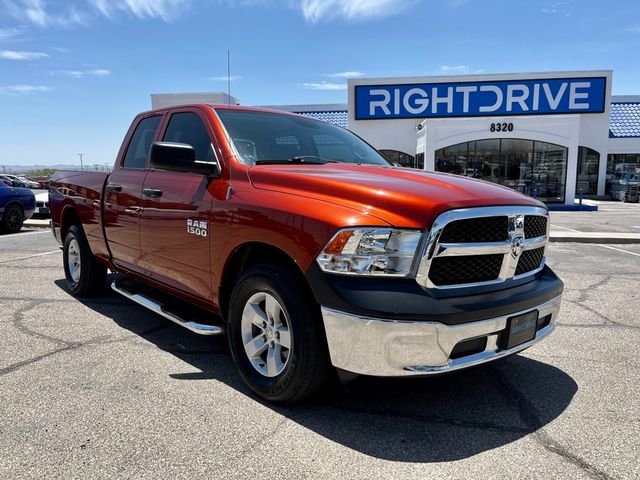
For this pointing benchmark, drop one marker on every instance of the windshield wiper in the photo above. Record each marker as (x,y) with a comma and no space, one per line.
(303,159)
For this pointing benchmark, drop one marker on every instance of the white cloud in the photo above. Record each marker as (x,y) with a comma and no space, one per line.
(163,9)
(13,55)
(457,70)
(353,10)
(558,7)
(38,13)
(224,78)
(23,89)
(325,86)
(95,72)
(352,74)
(11,33)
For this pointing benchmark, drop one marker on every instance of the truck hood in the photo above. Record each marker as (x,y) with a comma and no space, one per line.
(402,197)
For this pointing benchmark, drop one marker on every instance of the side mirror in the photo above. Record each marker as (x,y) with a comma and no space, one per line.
(180,157)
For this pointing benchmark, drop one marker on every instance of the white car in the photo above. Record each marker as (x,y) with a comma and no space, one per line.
(42,205)
(30,183)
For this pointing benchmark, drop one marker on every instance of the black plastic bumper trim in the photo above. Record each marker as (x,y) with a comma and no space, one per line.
(404,299)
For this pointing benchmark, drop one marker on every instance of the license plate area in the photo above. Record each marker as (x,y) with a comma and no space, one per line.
(520,329)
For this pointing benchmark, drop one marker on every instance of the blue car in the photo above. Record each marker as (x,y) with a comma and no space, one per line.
(16,206)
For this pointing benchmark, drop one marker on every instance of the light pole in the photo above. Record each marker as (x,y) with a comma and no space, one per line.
(81,166)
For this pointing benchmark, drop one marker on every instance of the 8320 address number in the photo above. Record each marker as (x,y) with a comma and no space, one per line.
(501,127)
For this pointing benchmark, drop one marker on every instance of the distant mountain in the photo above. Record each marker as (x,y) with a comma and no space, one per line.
(18,169)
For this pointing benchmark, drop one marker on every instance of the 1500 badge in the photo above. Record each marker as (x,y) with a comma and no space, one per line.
(197,227)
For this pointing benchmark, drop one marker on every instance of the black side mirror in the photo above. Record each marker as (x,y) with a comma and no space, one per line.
(180,157)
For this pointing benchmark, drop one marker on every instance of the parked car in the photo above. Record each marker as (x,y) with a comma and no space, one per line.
(307,248)
(31,184)
(42,205)
(21,182)
(11,181)
(17,204)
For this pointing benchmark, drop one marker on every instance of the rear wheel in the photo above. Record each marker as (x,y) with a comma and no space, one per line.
(85,276)
(12,219)
(276,336)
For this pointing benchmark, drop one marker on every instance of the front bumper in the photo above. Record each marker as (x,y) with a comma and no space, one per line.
(387,347)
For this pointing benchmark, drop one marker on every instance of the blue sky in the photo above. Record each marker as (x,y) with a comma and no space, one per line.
(74,73)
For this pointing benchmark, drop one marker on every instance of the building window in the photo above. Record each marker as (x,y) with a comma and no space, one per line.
(538,169)
(615,170)
(403,159)
(587,175)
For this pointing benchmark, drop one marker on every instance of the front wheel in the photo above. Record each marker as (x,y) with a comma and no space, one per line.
(85,276)
(276,336)
(12,219)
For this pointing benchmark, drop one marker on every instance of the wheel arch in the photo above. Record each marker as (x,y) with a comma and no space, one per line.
(68,218)
(250,254)
(10,203)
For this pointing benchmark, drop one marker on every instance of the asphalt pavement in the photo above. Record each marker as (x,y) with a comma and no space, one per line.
(102,388)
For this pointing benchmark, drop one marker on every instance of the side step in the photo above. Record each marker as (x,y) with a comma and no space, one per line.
(154,306)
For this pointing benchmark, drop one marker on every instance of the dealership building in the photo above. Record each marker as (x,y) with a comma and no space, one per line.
(551,135)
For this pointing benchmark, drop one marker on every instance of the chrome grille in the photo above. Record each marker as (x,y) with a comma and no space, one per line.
(465,269)
(529,260)
(481,246)
(535,226)
(474,230)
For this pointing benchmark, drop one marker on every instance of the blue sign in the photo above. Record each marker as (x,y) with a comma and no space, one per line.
(481,99)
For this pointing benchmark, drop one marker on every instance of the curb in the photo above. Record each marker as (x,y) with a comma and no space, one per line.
(38,224)
(596,237)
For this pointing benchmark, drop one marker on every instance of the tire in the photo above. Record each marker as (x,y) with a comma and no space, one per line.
(85,276)
(12,219)
(290,358)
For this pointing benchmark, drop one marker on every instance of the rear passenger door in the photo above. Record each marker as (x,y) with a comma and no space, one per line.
(175,221)
(123,196)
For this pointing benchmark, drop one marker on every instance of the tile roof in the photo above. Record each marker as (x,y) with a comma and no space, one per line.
(337,117)
(624,120)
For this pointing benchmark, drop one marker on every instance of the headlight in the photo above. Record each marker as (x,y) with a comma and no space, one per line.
(370,251)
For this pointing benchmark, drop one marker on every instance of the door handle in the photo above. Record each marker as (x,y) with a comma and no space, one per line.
(152,192)
(113,187)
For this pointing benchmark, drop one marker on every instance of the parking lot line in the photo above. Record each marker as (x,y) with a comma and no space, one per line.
(565,228)
(618,249)
(4,237)
(30,256)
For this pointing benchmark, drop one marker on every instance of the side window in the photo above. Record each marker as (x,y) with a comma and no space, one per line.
(188,128)
(140,145)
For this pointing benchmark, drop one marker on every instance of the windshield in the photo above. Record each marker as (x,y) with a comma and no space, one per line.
(263,137)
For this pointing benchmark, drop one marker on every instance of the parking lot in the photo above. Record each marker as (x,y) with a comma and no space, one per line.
(101,388)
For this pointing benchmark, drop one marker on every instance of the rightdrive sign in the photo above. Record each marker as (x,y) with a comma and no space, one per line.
(475,99)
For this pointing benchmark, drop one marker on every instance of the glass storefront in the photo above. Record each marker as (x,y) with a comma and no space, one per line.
(615,169)
(587,177)
(538,169)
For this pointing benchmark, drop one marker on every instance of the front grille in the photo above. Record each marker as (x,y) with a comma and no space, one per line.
(465,269)
(529,260)
(476,230)
(483,245)
(535,226)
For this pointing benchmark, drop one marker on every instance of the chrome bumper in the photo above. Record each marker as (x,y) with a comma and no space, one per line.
(383,347)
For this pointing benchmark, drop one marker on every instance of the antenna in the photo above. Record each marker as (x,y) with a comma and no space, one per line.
(229,77)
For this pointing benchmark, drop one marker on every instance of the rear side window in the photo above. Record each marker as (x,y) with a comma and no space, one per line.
(140,145)
(187,127)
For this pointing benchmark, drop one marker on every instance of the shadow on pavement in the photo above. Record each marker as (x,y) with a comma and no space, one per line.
(434,419)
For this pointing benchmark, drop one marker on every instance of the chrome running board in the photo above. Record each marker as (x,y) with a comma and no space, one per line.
(199,328)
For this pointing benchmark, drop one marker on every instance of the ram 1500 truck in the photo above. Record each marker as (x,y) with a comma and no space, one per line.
(307,248)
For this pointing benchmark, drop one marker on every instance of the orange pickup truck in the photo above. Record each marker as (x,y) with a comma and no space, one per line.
(307,248)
